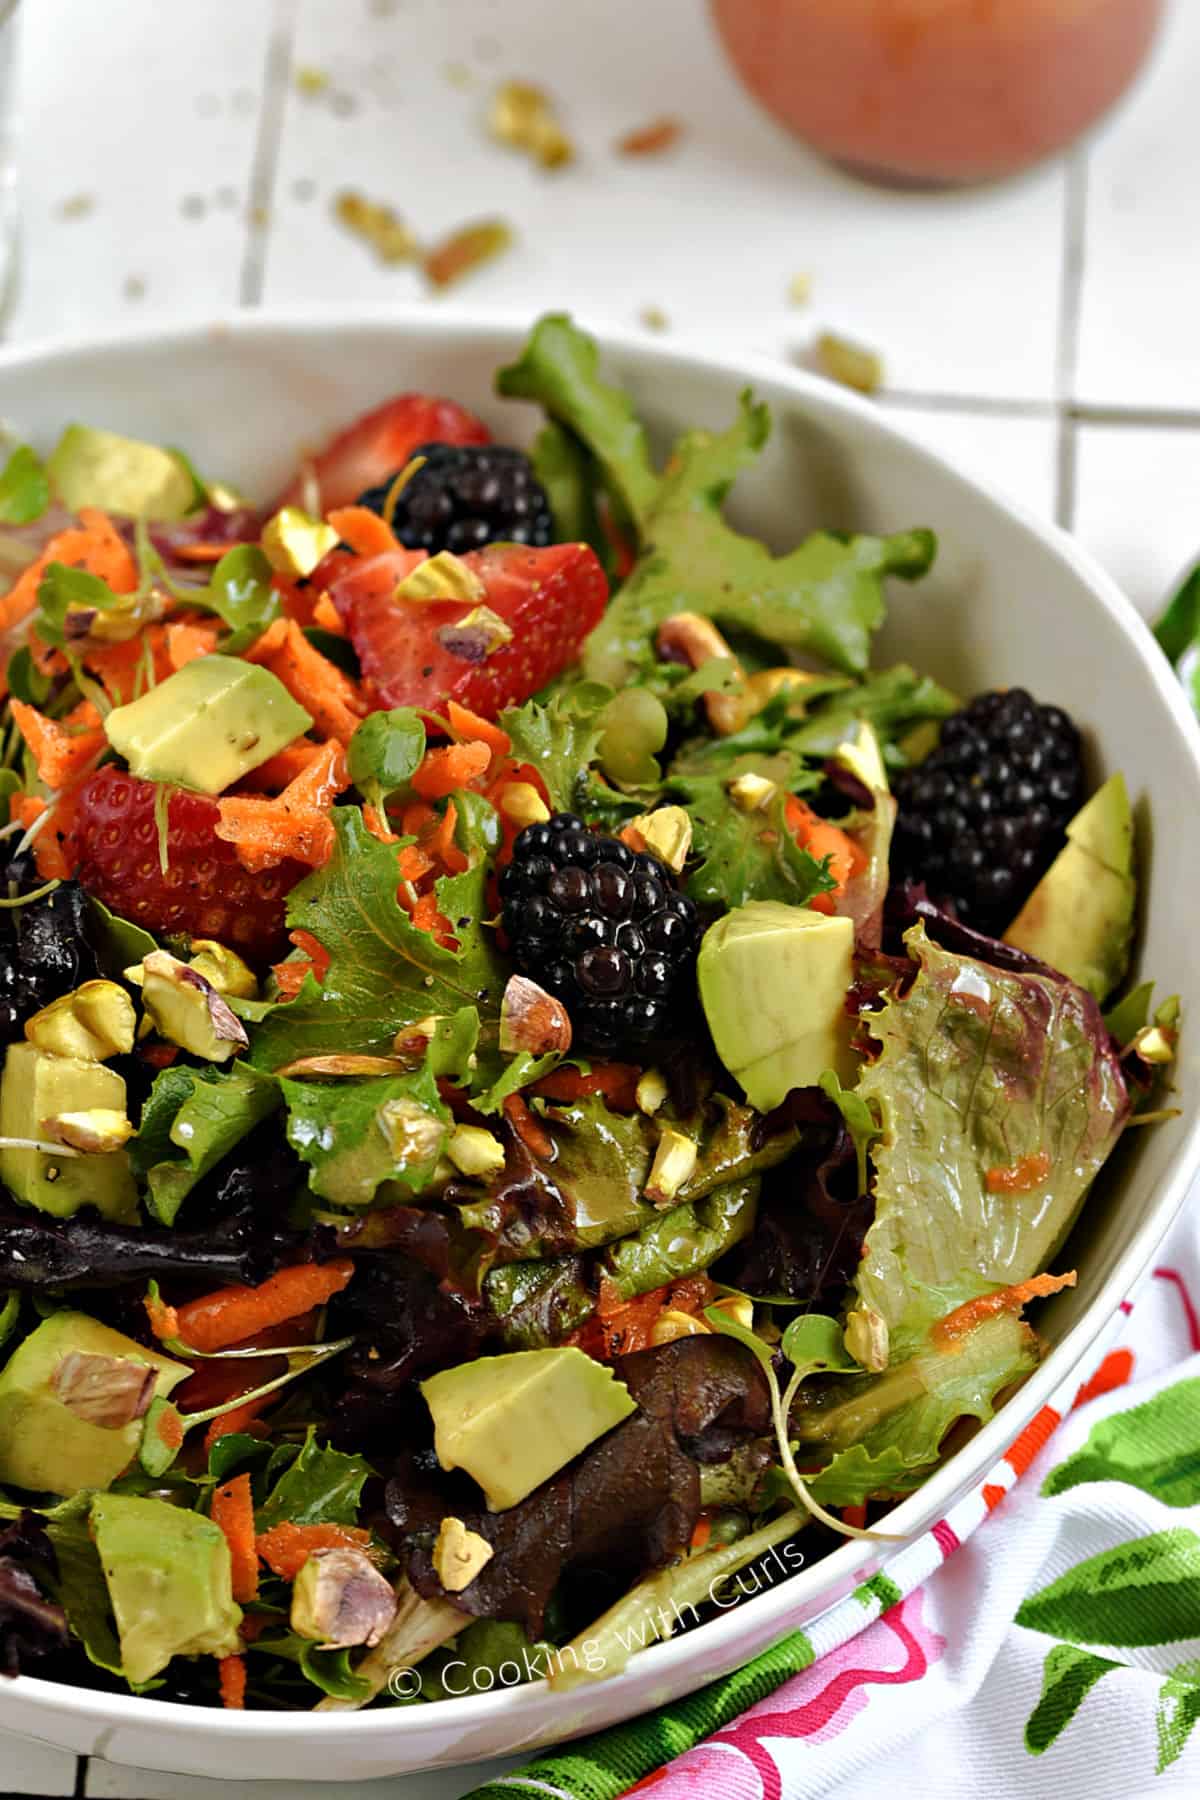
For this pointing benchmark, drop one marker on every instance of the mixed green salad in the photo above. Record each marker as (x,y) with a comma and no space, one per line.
(535,1073)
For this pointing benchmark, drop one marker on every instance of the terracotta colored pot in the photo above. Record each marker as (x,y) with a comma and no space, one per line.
(937,91)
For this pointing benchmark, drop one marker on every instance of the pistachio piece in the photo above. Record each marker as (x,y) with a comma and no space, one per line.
(97,1132)
(1153,1045)
(474,1151)
(95,1021)
(852,364)
(474,638)
(108,1391)
(440,578)
(459,1554)
(532,1020)
(674,1161)
(187,1009)
(666,833)
(341,1064)
(866,1338)
(739,1307)
(651,1091)
(412,1041)
(294,542)
(671,1324)
(523,117)
(751,793)
(413,1135)
(729,712)
(521,804)
(224,969)
(341,1600)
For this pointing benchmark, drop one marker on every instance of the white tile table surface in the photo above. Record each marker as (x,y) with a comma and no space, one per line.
(1045,333)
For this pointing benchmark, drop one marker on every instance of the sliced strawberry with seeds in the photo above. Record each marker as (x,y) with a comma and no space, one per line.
(205,892)
(549,599)
(377,446)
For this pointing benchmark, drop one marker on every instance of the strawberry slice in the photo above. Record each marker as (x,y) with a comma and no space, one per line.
(377,446)
(411,656)
(205,891)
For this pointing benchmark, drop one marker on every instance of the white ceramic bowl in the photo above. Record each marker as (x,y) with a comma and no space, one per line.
(1011,600)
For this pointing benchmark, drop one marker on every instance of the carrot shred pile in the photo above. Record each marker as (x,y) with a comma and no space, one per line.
(619,1326)
(295,823)
(326,693)
(233,1314)
(233,1512)
(286,1548)
(94,544)
(821,839)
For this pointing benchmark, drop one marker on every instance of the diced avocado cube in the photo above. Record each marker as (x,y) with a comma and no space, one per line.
(169,1581)
(1079,917)
(119,474)
(37,1086)
(207,725)
(773,983)
(47,1447)
(513,1421)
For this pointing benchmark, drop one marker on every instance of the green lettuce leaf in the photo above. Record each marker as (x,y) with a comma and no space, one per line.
(891,702)
(560,737)
(321,1487)
(825,599)
(979,1068)
(24,489)
(683,1241)
(747,855)
(567,474)
(384,973)
(338,1128)
(191,1119)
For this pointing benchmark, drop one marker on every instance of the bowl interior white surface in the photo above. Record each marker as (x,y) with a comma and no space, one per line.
(1010,601)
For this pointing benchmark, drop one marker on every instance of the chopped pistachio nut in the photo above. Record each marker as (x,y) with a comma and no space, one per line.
(474,1151)
(93,1022)
(334,1065)
(440,578)
(800,289)
(294,542)
(521,804)
(459,1554)
(1152,1044)
(115,624)
(739,1307)
(730,711)
(107,1391)
(751,793)
(97,1132)
(671,1325)
(851,364)
(522,116)
(383,229)
(413,1134)
(476,636)
(413,1040)
(466,249)
(666,833)
(532,1020)
(341,1600)
(654,318)
(651,1091)
(187,1010)
(223,969)
(866,1338)
(674,1161)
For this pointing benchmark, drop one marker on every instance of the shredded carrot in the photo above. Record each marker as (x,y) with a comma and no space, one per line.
(855,1516)
(327,694)
(439,842)
(1021,1177)
(232,1675)
(280,770)
(619,1326)
(61,748)
(121,667)
(821,839)
(469,728)
(316,952)
(233,1511)
(413,862)
(452,766)
(377,824)
(93,544)
(185,641)
(286,1548)
(201,553)
(326,615)
(322,779)
(289,976)
(238,1419)
(532,1133)
(295,823)
(949,1332)
(365,532)
(701,1533)
(164,1320)
(232,1314)
(427,917)
(417,818)
(159,1056)
(616,1081)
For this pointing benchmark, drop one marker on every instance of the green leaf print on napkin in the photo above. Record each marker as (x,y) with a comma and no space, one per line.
(1146,1592)
(1178,1710)
(1068,1678)
(1155,1447)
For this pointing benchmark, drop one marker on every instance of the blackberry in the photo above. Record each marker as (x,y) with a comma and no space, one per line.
(604,929)
(465,497)
(982,818)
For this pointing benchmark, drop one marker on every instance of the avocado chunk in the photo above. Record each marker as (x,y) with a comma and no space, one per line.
(119,474)
(773,984)
(37,1086)
(50,1443)
(513,1421)
(1079,917)
(207,725)
(169,1581)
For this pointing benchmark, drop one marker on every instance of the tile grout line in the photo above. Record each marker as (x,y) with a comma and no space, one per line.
(260,194)
(1069,317)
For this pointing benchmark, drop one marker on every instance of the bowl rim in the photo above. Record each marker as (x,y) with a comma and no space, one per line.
(844,1567)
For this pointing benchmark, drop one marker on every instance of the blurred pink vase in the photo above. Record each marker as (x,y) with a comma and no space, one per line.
(937,92)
